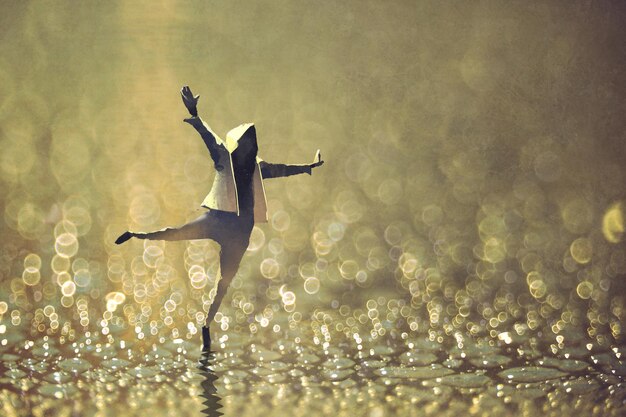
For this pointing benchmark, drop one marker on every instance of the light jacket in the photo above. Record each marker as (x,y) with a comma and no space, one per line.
(223,195)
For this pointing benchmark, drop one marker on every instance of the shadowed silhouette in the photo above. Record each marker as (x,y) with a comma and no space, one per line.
(236,200)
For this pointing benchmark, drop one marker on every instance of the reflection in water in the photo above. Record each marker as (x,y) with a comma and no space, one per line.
(209,393)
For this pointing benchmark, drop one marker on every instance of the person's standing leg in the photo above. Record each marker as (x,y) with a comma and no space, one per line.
(230,257)
(233,237)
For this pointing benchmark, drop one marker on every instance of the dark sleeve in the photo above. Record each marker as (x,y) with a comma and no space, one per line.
(207,135)
(282,170)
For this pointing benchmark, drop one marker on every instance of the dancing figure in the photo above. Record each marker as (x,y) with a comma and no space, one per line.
(236,200)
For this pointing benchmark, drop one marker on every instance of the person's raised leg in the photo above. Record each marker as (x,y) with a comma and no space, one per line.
(199,228)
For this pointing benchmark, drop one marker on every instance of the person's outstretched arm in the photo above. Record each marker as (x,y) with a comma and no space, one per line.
(208,136)
(269,170)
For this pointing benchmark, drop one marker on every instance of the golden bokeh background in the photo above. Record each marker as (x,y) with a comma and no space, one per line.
(473,183)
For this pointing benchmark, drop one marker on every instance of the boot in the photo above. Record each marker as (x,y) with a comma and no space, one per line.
(123,238)
(206,339)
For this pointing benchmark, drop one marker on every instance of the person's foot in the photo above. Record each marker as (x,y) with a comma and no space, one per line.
(206,339)
(123,238)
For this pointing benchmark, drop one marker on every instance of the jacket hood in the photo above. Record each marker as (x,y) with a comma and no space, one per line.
(240,134)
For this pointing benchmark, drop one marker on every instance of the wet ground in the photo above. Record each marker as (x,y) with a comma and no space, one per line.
(296,373)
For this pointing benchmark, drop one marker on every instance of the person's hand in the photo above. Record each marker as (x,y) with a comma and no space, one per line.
(317,161)
(189,100)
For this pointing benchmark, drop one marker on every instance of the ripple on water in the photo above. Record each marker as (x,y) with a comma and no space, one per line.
(15,374)
(473,351)
(104,376)
(275,378)
(577,352)
(269,389)
(115,363)
(232,361)
(158,352)
(530,393)
(337,374)
(374,364)
(419,372)
(9,357)
(338,363)
(414,358)
(464,380)
(42,352)
(452,363)
(436,394)
(217,366)
(529,354)
(261,371)
(610,363)
(425,345)
(77,365)
(567,365)
(346,383)
(608,379)
(35,365)
(382,350)
(263,354)
(276,366)
(104,352)
(56,391)
(236,375)
(580,386)
(14,337)
(142,372)
(308,358)
(180,346)
(530,374)
(491,361)
(58,377)
(235,386)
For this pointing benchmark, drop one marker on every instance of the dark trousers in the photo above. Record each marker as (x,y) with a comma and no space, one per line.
(232,232)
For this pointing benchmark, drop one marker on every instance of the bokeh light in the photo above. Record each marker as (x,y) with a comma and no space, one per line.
(461,251)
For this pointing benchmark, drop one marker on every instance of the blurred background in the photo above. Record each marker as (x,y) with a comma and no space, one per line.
(473,188)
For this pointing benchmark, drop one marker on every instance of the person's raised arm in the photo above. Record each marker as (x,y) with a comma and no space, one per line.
(191,102)
(269,170)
